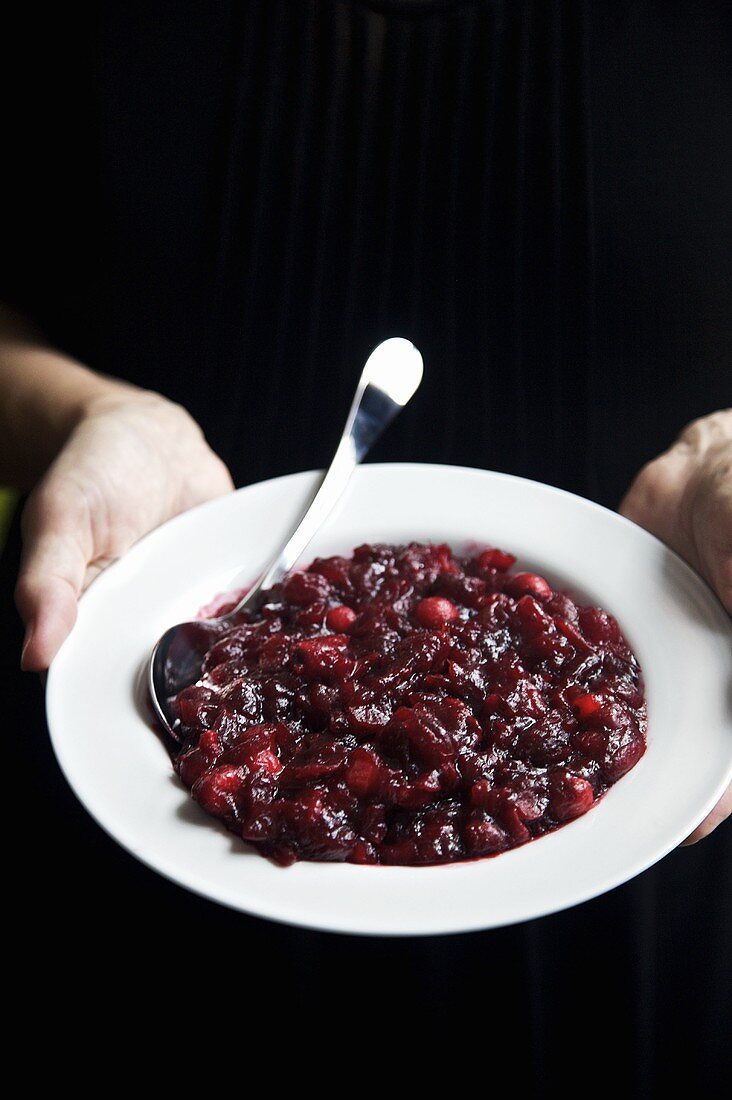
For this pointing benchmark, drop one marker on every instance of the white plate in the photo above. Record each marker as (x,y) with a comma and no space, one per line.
(122,774)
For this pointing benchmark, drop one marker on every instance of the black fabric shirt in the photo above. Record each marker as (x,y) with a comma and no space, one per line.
(233,202)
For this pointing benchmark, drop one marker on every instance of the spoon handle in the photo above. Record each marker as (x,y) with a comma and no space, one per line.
(389,379)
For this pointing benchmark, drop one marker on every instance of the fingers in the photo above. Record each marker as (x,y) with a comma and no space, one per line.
(721,572)
(686,501)
(713,526)
(51,574)
(653,498)
(721,811)
(684,497)
(716,557)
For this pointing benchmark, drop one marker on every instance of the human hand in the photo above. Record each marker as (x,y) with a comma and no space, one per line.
(132,461)
(684,497)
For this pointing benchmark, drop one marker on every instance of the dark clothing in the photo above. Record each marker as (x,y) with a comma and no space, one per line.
(232,203)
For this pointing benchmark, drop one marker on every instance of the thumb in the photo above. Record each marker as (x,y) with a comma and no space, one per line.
(55,530)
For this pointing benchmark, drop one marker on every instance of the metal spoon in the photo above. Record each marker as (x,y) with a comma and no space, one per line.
(389,379)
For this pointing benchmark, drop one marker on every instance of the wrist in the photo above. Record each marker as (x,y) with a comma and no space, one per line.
(124,401)
(57,394)
(45,395)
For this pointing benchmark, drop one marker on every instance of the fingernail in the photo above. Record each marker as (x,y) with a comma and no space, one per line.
(26,642)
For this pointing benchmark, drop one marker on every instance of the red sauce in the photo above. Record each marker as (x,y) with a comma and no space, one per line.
(409,706)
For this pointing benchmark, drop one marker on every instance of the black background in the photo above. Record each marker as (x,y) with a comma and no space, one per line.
(568,335)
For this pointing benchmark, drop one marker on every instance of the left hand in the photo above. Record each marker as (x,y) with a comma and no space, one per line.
(684,497)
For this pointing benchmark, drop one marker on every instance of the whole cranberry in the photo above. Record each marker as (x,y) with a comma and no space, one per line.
(529,584)
(340,619)
(495,559)
(435,611)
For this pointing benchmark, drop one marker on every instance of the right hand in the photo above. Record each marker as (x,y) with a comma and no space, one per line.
(132,461)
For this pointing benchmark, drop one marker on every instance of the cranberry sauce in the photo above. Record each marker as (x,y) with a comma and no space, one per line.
(406,705)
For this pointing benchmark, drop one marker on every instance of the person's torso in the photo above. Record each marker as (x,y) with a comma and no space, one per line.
(274,187)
